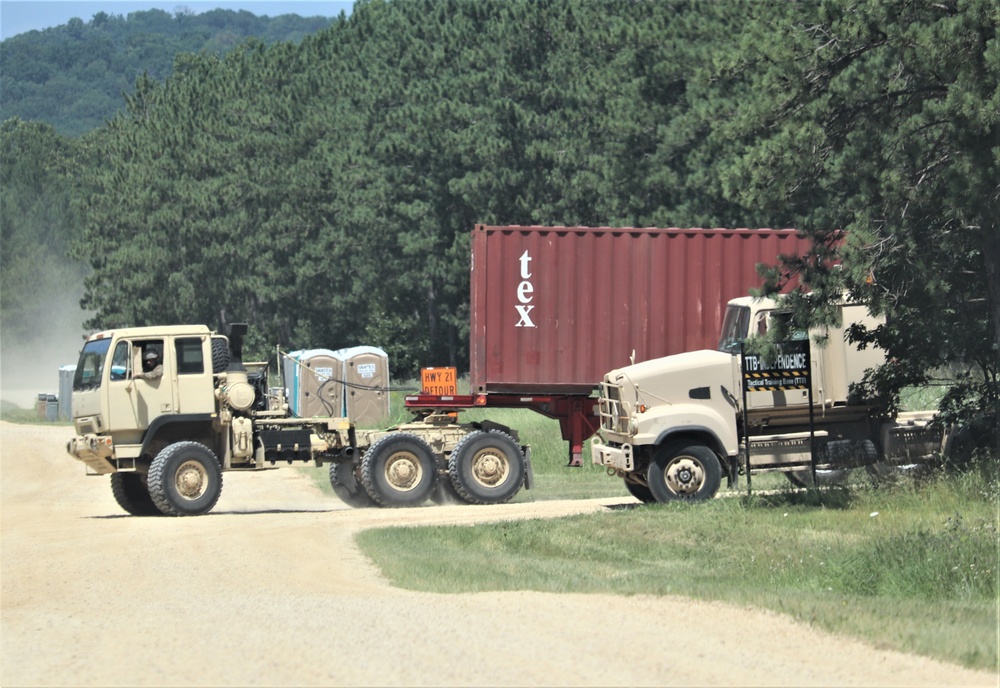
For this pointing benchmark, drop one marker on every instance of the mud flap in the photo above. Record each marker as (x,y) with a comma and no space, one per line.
(529,474)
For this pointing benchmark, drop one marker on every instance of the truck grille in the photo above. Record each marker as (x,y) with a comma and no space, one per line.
(614,415)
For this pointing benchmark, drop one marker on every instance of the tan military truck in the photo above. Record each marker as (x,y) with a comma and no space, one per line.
(672,427)
(166,436)
(166,410)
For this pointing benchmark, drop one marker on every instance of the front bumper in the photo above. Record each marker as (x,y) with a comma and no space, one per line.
(95,451)
(619,457)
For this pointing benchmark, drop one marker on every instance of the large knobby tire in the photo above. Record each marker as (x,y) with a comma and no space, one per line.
(640,492)
(399,470)
(684,470)
(132,495)
(185,479)
(487,467)
(220,355)
(347,487)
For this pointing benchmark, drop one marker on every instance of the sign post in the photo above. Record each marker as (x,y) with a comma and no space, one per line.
(788,367)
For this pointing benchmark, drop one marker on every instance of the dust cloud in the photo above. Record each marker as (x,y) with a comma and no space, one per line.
(29,364)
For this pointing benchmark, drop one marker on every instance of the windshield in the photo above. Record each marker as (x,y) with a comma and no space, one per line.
(734,328)
(90,368)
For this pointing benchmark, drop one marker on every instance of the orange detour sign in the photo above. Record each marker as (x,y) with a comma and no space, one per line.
(439,381)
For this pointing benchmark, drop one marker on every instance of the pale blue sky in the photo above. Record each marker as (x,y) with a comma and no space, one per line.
(17,17)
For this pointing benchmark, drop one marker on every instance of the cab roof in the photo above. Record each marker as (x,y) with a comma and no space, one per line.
(153,332)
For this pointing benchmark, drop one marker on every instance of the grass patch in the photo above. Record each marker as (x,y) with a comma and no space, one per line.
(913,568)
(12,413)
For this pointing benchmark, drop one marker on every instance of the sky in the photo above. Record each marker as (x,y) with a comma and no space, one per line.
(17,16)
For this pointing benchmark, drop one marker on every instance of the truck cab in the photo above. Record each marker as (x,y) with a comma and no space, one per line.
(117,411)
(672,427)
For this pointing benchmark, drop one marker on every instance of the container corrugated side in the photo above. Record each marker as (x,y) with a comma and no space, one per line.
(555,308)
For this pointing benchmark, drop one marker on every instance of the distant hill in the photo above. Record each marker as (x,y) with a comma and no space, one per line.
(73,76)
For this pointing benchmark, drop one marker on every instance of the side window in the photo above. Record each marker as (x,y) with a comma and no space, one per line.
(149,354)
(761,327)
(190,356)
(120,361)
(734,329)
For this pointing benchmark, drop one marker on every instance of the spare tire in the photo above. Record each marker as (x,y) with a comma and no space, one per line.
(220,355)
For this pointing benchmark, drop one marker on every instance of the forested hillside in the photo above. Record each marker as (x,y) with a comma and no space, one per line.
(73,76)
(324,190)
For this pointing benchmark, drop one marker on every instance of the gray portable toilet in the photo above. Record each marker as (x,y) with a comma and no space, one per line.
(315,382)
(66,374)
(366,381)
(51,408)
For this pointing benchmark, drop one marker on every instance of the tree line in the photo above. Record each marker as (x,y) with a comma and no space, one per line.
(324,190)
(73,76)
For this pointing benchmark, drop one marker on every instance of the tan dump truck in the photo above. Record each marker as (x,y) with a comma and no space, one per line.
(672,427)
(166,410)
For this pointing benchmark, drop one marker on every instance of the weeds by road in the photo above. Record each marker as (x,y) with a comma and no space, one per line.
(912,567)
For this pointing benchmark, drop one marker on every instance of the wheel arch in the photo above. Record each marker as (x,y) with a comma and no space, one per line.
(698,435)
(168,429)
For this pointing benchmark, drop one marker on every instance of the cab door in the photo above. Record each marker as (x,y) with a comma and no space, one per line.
(134,403)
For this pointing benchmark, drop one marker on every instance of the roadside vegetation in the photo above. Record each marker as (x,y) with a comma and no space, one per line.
(910,567)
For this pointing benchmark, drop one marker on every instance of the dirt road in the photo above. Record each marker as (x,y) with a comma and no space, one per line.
(268,589)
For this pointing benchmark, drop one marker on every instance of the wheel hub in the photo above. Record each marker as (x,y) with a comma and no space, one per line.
(191,480)
(403,471)
(489,469)
(685,476)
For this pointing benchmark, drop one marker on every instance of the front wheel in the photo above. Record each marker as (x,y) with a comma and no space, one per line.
(185,479)
(399,470)
(684,470)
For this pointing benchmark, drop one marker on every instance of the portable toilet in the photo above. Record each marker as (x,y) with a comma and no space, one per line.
(289,377)
(315,383)
(366,382)
(66,374)
(51,408)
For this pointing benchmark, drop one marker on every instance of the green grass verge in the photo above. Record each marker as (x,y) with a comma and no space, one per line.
(912,568)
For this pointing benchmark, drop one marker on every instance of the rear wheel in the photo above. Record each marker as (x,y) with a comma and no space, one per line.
(684,470)
(487,467)
(185,479)
(132,495)
(347,487)
(399,470)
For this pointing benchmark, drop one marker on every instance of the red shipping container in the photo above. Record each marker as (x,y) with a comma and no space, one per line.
(555,308)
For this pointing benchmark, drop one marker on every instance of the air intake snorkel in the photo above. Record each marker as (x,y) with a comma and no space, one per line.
(237,391)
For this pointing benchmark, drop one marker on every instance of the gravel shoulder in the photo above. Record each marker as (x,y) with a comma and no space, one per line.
(269,590)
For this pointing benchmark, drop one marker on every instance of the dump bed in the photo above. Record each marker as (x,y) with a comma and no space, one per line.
(555,308)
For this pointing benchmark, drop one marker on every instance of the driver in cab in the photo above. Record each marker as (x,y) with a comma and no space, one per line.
(152,367)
